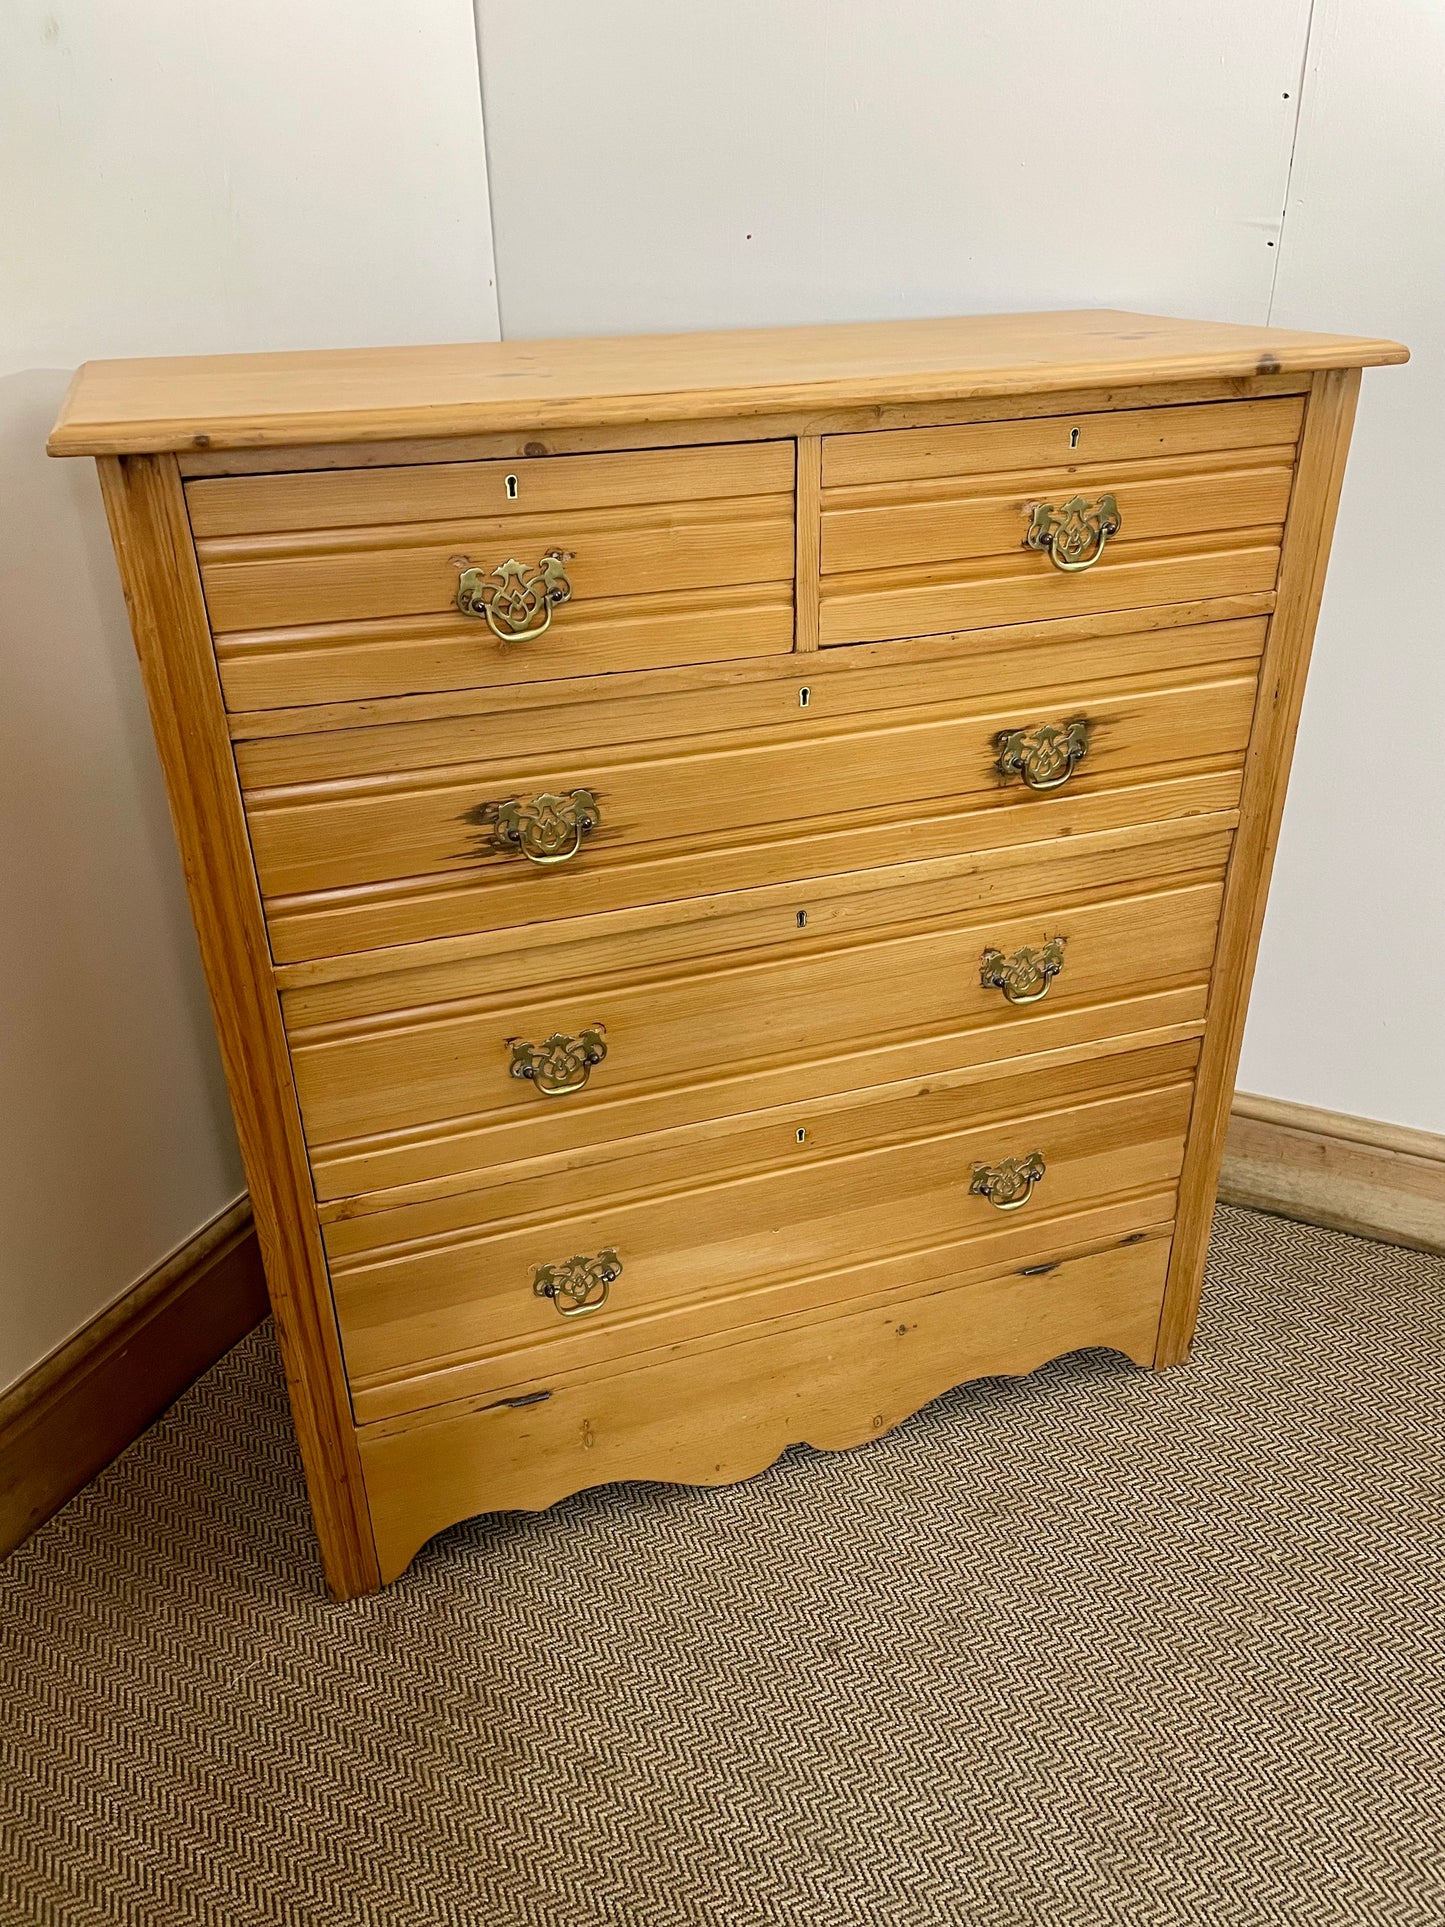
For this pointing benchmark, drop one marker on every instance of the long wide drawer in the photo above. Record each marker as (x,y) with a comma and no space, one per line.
(442,1299)
(439,1068)
(343,584)
(361,854)
(713,1414)
(925,530)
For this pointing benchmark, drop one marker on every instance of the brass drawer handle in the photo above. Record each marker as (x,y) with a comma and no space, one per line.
(516,603)
(1008,1185)
(1044,756)
(1073,536)
(581,1284)
(546,828)
(560,1064)
(1024,978)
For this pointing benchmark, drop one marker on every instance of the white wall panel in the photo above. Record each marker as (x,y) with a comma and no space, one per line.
(177,176)
(201,176)
(1349,1003)
(663,166)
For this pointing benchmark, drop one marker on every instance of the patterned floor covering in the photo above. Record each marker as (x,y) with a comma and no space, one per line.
(1096,1646)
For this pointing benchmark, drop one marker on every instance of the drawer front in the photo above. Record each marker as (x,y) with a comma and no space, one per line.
(472,1066)
(548,1287)
(711,1415)
(481,842)
(925,530)
(339,585)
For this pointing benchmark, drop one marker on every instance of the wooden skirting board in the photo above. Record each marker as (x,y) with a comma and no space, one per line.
(78,1409)
(84,1404)
(1376,1180)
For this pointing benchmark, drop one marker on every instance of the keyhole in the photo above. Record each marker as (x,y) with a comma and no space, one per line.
(1073,438)
(802,1137)
(805,696)
(512,481)
(802,919)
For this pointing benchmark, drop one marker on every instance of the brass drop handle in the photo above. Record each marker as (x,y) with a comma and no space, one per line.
(1008,1185)
(580,1284)
(1044,756)
(516,602)
(547,828)
(1073,536)
(560,1064)
(1024,978)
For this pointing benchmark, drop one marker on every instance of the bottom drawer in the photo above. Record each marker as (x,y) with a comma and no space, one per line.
(712,1416)
(551,1274)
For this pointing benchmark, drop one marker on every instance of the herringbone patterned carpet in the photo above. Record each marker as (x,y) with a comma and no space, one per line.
(1098,1646)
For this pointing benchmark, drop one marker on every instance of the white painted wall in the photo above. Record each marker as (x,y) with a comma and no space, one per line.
(175,178)
(772,161)
(799,160)
(1349,1000)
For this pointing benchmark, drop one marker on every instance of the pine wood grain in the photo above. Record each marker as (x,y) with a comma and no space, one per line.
(713,1417)
(768,426)
(899,526)
(1329,415)
(152,541)
(807,505)
(505,491)
(1353,1174)
(270,583)
(441,1320)
(689,935)
(1058,442)
(678,708)
(396,859)
(427,1090)
(1021,586)
(391,659)
(712,1143)
(781,916)
(381,394)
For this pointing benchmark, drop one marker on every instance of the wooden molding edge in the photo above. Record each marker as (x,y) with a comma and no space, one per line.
(1348,1173)
(1309,524)
(151,532)
(94,1395)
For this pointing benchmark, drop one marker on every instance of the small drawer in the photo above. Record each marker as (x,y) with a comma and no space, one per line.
(447,1299)
(442,1068)
(928,530)
(357,846)
(344,584)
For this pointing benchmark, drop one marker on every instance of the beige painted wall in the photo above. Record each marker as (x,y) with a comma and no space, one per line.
(175,177)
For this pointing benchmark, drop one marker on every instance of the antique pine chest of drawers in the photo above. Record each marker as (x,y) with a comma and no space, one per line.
(728,866)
